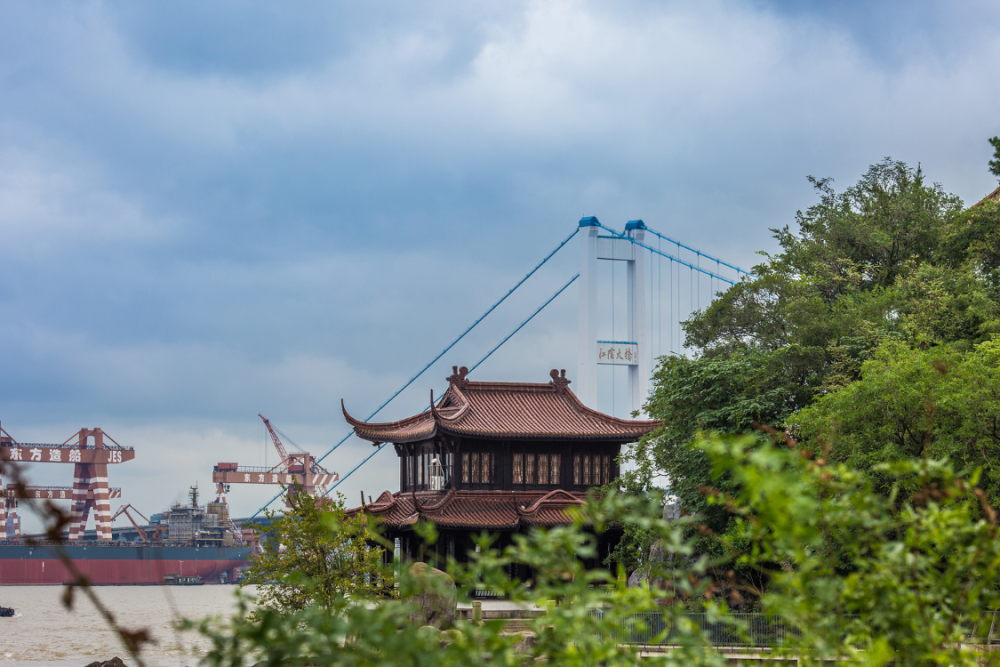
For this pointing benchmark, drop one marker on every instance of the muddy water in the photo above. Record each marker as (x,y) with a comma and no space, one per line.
(45,634)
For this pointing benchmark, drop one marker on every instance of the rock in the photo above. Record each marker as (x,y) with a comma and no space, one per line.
(113,662)
(437,600)
(527,643)
(657,554)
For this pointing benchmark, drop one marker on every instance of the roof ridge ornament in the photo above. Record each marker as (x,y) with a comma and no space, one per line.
(457,378)
(559,380)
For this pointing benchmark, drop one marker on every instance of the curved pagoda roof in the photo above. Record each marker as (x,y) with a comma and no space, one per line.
(518,410)
(474,510)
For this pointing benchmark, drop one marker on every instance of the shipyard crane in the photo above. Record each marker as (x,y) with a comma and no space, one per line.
(15,492)
(90,474)
(302,470)
(157,530)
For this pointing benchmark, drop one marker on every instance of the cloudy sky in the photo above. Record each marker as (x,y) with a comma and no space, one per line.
(210,210)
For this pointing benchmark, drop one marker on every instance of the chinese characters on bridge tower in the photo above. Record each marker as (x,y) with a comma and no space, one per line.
(617,353)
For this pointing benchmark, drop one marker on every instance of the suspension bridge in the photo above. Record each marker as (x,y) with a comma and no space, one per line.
(664,282)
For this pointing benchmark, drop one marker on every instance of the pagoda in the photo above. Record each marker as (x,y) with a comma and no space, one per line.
(496,457)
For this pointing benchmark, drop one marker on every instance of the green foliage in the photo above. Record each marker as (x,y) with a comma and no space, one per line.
(890,263)
(586,610)
(936,402)
(313,556)
(862,577)
(902,578)
(995,162)
(974,239)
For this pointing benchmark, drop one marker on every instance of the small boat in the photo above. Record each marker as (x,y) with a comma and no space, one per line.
(175,580)
(6,612)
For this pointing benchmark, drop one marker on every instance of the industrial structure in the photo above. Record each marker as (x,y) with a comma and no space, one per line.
(294,472)
(156,534)
(15,492)
(187,541)
(90,474)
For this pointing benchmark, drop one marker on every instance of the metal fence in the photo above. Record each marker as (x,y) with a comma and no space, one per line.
(749,630)
(744,630)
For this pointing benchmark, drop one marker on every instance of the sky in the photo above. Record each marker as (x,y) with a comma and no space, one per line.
(214,210)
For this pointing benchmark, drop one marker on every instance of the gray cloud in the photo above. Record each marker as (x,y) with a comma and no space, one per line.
(210,211)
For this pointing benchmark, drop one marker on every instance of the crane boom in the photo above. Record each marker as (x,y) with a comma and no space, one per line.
(124,509)
(274,438)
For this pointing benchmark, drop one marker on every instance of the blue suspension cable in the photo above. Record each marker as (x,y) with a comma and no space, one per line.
(463,334)
(478,363)
(443,352)
(521,325)
(700,253)
(676,259)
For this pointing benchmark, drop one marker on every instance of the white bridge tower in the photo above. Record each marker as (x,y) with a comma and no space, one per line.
(634,352)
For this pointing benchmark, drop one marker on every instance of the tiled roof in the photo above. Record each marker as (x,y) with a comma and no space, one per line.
(474,510)
(993,196)
(506,410)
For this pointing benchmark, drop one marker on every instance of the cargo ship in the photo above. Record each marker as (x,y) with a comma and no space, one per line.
(189,541)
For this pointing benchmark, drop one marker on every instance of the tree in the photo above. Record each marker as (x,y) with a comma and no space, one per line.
(857,576)
(995,162)
(314,554)
(902,578)
(937,402)
(892,260)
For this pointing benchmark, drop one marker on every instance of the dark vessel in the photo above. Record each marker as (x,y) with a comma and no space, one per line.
(6,612)
(199,543)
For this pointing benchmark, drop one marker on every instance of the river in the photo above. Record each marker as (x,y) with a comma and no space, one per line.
(44,634)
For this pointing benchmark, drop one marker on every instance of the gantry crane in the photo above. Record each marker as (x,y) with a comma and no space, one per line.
(301,469)
(90,474)
(157,530)
(15,492)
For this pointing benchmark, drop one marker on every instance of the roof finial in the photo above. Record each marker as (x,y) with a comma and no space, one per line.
(559,380)
(457,377)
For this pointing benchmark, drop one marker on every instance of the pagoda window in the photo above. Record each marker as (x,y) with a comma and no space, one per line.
(477,468)
(591,469)
(555,464)
(536,469)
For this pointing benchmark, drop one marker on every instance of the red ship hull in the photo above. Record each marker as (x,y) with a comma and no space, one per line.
(119,565)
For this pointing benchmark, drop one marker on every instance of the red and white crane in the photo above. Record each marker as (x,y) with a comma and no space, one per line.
(90,474)
(15,492)
(292,471)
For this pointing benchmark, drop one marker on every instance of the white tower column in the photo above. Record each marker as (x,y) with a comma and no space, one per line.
(638,326)
(586,364)
(634,352)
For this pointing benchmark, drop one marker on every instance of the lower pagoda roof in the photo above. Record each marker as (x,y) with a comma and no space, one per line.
(516,410)
(474,510)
